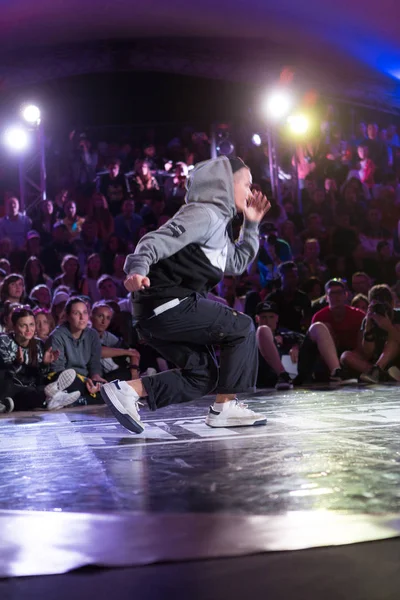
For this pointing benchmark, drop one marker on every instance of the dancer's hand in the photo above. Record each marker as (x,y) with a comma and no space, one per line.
(133,283)
(256,207)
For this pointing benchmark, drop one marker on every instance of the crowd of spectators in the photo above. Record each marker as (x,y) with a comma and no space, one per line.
(323,290)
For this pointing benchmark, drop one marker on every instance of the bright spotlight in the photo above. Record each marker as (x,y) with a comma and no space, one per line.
(299,124)
(16,138)
(256,139)
(31,114)
(278,104)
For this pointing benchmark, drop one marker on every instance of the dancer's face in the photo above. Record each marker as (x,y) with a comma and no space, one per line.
(242,181)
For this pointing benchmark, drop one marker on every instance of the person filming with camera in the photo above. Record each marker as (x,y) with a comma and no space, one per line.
(379,350)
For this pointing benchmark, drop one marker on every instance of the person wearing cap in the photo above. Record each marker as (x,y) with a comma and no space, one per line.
(170,274)
(273,342)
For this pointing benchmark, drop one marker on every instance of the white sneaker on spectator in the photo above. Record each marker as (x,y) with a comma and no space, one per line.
(124,403)
(233,414)
(62,399)
(65,379)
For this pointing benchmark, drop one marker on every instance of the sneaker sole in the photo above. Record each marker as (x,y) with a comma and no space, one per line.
(237,423)
(63,382)
(126,420)
(368,380)
(68,402)
(394,373)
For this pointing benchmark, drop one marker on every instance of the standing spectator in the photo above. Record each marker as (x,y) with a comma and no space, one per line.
(34,274)
(93,272)
(70,276)
(72,221)
(15,225)
(99,213)
(113,187)
(128,223)
(367,167)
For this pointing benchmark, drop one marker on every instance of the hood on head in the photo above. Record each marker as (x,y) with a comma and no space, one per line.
(211,182)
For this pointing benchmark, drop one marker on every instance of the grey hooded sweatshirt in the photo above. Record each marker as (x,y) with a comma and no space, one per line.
(193,251)
(82,354)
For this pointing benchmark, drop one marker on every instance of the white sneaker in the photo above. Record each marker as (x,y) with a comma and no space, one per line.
(65,379)
(234,414)
(62,399)
(7,405)
(124,403)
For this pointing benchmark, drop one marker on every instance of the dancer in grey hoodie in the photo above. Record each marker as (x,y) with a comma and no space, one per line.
(170,273)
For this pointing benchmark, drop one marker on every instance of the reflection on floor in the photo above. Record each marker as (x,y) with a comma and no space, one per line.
(330,457)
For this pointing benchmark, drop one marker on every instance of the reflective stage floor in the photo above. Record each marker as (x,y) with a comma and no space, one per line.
(76,489)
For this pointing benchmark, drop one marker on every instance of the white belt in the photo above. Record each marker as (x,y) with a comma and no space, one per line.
(167,305)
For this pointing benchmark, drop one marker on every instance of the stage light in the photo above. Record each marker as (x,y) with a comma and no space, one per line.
(298,124)
(31,114)
(256,139)
(278,104)
(16,138)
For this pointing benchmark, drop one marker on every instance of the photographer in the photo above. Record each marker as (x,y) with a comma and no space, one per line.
(380,345)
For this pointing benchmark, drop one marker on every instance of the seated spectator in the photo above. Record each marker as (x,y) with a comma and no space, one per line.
(385,264)
(288,234)
(316,230)
(314,288)
(360,301)
(372,233)
(118,274)
(61,198)
(293,215)
(45,221)
(344,237)
(71,220)
(294,307)
(272,252)
(273,342)
(114,245)
(78,347)
(58,304)
(13,289)
(361,283)
(34,274)
(44,323)
(15,225)
(98,212)
(228,291)
(113,187)
(175,189)
(112,348)
(40,296)
(152,210)
(311,265)
(320,203)
(380,344)
(87,243)
(70,276)
(24,364)
(6,325)
(396,287)
(334,330)
(143,181)
(89,281)
(128,223)
(54,252)
(5,266)
(107,288)
(367,166)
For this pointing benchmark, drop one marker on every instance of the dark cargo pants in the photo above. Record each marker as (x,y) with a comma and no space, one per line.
(185,335)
